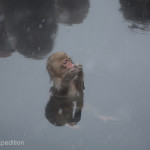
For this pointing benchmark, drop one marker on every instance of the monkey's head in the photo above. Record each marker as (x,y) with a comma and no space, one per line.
(58,63)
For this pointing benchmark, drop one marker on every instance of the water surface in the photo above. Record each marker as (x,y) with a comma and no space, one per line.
(112,43)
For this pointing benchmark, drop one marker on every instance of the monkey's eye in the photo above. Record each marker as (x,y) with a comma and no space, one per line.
(68,59)
(65,61)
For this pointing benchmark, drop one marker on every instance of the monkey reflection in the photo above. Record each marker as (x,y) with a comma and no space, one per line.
(68,86)
(72,11)
(137,11)
(64,110)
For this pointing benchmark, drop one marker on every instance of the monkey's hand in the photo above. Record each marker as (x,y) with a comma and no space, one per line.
(71,75)
(79,66)
(68,79)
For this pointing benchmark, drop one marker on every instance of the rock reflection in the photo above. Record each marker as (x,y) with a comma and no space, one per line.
(72,11)
(5,47)
(30,26)
(64,110)
(136,11)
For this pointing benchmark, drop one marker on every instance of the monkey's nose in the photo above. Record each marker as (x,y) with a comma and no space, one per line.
(70,65)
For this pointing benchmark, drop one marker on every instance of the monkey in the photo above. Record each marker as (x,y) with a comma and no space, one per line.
(67,77)
(66,100)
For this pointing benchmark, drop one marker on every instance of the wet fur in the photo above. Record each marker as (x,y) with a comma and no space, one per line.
(65,83)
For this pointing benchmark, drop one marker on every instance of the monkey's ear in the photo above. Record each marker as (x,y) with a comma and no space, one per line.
(51,76)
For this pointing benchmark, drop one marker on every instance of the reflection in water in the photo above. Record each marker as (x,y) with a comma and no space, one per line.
(5,48)
(96,113)
(30,26)
(62,110)
(137,11)
(107,118)
(72,11)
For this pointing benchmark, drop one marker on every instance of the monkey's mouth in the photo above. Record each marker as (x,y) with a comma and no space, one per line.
(71,68)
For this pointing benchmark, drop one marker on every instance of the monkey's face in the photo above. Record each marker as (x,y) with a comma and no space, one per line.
(59,64)
(67,64)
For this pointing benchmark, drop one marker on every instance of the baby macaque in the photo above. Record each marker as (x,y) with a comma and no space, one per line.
(67,77)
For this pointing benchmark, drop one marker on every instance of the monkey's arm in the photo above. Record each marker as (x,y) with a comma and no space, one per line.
(62,88)
(80,79)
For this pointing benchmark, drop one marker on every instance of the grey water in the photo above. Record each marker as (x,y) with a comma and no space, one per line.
(111,39)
